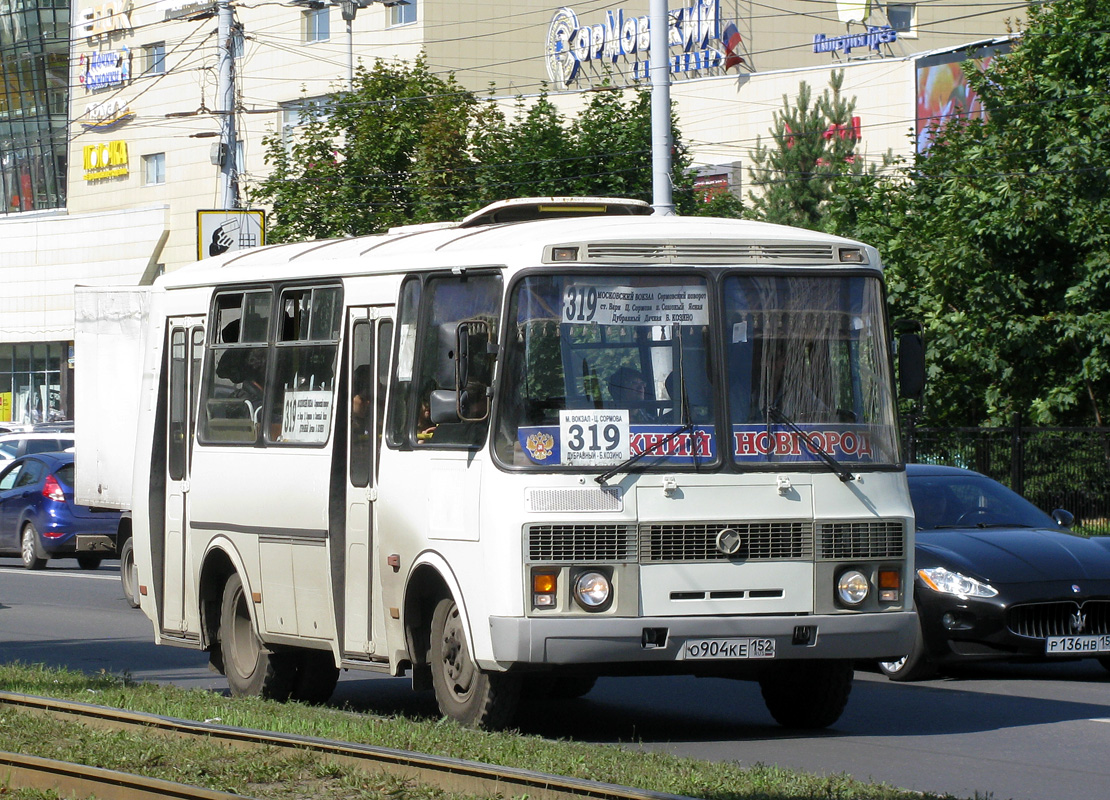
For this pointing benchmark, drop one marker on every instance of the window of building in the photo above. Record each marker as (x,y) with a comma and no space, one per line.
(154,169)
(31,382)
(403,15)
(317,24)
(297,113)
(154,58)
(903,18)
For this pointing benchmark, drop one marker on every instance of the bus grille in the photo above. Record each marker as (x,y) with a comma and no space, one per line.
(706,252)
(697,541)
(575,543)
(837,541)
(685,542)
(1064,618)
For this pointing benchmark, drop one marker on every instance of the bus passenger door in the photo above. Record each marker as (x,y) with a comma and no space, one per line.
(370,334)
(186,349)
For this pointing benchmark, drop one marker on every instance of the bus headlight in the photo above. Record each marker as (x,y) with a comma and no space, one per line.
(593,591)
(852,587)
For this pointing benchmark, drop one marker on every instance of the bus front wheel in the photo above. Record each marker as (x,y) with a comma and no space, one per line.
(807,694)
(464,692)
(252,669)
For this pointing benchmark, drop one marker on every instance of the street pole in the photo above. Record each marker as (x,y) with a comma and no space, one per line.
(225,107)
(661,143)
(349,8)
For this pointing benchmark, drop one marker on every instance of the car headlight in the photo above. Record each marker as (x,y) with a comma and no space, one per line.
(941,580)
(593,591)
(852,587)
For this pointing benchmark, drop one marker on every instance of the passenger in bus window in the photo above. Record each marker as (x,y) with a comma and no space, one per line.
(628,388)
(425,428)
(361,400)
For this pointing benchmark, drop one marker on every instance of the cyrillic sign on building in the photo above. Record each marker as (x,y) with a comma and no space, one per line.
(618,47)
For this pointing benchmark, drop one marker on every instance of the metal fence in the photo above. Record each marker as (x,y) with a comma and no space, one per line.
(1053,467)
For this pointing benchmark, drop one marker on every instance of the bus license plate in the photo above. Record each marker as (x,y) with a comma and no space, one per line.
(728,648)
(1068,645)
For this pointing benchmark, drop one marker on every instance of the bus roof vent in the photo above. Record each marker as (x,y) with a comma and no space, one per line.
(705,252)
(523,209)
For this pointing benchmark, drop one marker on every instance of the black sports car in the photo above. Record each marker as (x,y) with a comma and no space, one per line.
(997,578)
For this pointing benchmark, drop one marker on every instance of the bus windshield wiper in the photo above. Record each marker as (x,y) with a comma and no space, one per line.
(657,445)
(837,468)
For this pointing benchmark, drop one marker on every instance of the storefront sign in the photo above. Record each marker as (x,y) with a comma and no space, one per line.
(104,69)
(105,19)
(875,37)
(620,44)
(106,160)
(105,116)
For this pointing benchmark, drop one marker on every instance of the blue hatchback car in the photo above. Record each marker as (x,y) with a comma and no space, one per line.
(40,521)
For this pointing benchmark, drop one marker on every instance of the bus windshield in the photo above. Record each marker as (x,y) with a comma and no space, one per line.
(603,368)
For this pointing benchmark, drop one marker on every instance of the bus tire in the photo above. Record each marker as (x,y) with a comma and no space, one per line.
(252,669)
(129,573)
(807,694)
(316,677)
(465,693)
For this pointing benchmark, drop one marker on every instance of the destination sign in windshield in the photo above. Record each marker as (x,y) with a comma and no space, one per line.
(625,305)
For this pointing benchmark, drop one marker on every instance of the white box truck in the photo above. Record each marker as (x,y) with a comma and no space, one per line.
(108,351)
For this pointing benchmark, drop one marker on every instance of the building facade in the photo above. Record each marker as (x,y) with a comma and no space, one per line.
(143,143)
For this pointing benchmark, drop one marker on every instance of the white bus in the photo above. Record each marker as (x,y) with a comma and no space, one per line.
(558,440)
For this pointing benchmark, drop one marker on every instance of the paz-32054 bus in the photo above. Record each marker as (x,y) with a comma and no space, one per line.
(557,440)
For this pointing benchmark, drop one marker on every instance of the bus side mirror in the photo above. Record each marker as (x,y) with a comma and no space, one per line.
(911,365)
(474,356)
(443,406)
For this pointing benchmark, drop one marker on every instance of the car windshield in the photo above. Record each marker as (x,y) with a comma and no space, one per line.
(970,501)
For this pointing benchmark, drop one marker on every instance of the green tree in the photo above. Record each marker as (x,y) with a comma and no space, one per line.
(392,150)
(405,146)
(813,142)
(997,237)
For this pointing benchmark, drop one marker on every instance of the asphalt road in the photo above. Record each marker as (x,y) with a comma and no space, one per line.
(1035,732)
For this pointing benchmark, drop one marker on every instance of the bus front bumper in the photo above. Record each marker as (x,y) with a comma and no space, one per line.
(640,640)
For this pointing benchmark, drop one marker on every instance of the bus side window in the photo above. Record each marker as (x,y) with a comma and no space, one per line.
(237,363)
(452,300)
(303,381)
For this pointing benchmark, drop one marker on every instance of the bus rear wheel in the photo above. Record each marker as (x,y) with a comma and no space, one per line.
(465,693)
(252,669)
(807,694)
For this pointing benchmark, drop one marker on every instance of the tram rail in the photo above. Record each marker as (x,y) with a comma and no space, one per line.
(448,774)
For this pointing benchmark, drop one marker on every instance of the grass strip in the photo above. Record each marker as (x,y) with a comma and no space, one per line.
(612,764)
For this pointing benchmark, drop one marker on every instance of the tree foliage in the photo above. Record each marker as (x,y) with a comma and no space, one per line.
(813,142)
(405,145)
(996,237)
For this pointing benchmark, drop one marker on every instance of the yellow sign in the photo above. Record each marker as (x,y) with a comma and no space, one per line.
(106,160)
(5,406)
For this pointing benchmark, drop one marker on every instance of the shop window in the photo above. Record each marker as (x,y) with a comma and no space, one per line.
(403,14)
(154,169)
